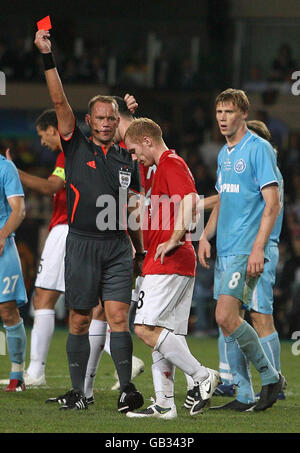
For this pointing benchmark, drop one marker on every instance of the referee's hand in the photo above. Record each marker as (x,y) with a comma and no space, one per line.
(42,41)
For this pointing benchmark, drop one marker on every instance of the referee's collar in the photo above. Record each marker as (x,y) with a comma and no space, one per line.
(103,148)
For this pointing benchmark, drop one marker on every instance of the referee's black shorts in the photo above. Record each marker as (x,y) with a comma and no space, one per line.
(97,267)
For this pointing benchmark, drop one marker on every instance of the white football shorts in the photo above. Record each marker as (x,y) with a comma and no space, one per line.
(51,271)
(165,301)
(136,290)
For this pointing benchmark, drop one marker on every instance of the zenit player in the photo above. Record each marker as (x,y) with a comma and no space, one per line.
(12,289)
(248,206)
(98,251)
(261,314)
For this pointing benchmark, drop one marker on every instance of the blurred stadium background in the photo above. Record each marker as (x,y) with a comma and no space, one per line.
(174,57)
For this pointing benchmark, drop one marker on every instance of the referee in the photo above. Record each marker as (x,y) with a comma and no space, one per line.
(98,263)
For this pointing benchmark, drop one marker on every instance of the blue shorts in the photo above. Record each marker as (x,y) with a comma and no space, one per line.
(231,278)
(262,298)
(11,278)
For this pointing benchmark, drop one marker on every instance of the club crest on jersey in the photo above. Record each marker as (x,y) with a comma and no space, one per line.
(124,178)
(240,166)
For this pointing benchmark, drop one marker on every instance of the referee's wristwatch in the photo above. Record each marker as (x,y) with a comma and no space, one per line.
(140,254)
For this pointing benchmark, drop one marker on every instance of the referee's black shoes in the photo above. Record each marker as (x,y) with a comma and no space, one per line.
(72,400)
(61,399)
(129,399)
(76,401)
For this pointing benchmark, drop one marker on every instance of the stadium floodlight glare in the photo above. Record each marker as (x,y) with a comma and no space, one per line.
(2,84)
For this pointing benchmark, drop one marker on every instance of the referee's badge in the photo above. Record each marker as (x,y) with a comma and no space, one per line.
(124,178)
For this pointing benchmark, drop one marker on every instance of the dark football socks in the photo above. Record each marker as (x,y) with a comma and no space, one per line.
(78,352)
(121,352)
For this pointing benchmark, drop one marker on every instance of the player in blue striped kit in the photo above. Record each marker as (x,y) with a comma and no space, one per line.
(12,289)
(248,207)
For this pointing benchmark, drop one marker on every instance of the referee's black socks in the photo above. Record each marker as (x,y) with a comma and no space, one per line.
(121,349)
(78,352)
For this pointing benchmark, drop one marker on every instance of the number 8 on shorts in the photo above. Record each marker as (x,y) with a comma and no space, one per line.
(234,280)
(231,278)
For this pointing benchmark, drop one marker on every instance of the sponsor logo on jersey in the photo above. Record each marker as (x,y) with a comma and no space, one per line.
(240,166)
(91,164)
(227,165)
(235,188)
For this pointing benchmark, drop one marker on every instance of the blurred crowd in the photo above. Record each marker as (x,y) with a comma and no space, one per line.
(148,62)
(277,77)
(86,62)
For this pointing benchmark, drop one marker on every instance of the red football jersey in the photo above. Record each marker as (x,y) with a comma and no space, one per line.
(171,182)
(59,215)
(147,174)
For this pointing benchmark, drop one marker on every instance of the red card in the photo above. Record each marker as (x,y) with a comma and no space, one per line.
(44,24)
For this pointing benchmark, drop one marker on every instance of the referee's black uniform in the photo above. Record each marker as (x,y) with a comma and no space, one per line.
(98,259)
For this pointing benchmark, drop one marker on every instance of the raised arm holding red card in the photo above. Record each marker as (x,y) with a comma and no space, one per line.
(65,116)
(103,265)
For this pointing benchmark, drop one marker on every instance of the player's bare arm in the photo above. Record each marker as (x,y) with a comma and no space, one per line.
(210,202)
(186,216)
(270,213)
(135,230)
(204,249)
(15,219)
(65,115)
(48,186)
(44,186)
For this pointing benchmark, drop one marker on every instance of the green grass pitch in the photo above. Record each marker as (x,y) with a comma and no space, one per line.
(26,412)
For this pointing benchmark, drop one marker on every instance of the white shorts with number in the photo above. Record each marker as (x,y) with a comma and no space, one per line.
(51,271)
(136,291)
(165,301)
